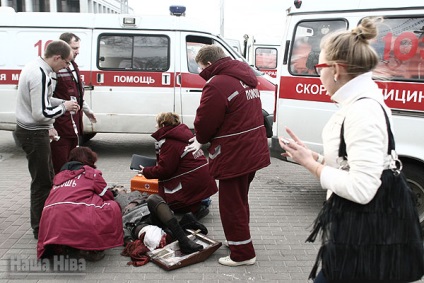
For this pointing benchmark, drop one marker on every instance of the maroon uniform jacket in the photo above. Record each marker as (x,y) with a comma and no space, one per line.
(230,118)
(66,87)
(80,212)
(183,179)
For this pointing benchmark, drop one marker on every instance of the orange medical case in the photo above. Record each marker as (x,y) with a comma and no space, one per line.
(140,183)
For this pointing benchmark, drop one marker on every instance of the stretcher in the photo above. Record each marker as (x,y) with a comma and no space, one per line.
(170,257)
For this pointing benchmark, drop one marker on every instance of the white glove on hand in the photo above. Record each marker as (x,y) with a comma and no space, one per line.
(140,172)
(194,146)
(90,115)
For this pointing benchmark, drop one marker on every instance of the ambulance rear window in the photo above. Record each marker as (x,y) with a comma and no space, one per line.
(266,57)
(400,46)
(133,52)
(306,44)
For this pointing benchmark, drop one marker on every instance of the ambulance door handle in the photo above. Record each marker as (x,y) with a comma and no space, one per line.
(194,90)
(88,87)
(178,79)
(100,78)
(286,52)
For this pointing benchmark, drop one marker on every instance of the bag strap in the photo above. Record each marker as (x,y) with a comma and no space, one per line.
(391,146)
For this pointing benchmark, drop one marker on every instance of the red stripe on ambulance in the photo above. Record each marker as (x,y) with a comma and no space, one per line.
(398,95)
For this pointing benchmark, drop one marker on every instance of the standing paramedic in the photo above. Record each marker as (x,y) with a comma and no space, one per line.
(230,118)
(36,111)
(69,126)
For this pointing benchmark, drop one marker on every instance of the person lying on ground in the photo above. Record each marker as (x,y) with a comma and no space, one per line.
(149,217)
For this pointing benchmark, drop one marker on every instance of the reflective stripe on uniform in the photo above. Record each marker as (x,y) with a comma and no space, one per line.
(234,94)
(238,243)
(77,203)
(239,133)
(216,153)
(103,192)
(197,168)
(169,191)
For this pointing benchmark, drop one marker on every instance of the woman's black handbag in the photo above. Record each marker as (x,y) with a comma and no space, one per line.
(377,242)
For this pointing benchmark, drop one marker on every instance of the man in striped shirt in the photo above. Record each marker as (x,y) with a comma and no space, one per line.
(36,111)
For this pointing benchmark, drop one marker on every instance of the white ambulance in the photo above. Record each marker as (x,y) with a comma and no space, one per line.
(133,66)
(262,53)
(302,103)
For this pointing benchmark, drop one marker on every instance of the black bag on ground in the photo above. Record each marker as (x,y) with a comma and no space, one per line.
(377,242)
(268,120)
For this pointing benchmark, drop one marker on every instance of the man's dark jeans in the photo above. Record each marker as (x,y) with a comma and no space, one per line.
(320,278)
(36,145)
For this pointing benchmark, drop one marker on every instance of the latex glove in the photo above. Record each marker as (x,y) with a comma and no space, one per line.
(88,112)
(71,106)
(194,146)
(53,135)
(140,172)
(90,115)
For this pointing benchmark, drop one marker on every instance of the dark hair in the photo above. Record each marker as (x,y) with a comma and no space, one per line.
(67,37)
(210,53)
(58,47)
(352,47)
(84,155)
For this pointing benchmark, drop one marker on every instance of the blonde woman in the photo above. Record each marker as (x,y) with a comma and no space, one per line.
(370,231)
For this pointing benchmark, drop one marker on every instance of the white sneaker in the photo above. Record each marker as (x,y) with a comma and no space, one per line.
(229,262)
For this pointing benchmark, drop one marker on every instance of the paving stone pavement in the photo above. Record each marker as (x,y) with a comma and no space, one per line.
(284,200)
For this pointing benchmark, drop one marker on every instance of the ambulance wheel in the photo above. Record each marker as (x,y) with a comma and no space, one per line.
(86,137)
(415,178)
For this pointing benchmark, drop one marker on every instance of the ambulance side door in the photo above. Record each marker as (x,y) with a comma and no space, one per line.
(132,79)
(21,46)
(191,83)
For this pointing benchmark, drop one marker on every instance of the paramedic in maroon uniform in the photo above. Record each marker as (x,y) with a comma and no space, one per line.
(80,216)
(69,126)
(184,179)
(230,118)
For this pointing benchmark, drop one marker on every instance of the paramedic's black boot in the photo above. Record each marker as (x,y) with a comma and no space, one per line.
(187,246)
(189,221)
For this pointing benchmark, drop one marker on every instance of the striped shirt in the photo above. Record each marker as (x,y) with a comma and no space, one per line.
(36,109)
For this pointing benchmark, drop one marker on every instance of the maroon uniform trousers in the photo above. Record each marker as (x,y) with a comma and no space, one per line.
(61,149)
(235,215)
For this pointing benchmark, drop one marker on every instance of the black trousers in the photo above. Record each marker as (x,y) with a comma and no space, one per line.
(157,217)
(36,145)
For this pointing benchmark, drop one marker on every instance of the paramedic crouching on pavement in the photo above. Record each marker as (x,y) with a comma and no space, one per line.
(36,111)
(230,118)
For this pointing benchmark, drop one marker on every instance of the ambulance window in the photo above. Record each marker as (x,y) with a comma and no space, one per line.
(134,52)
(192,49)
(266,58)
(400,46)
(193,44)
(306,44)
